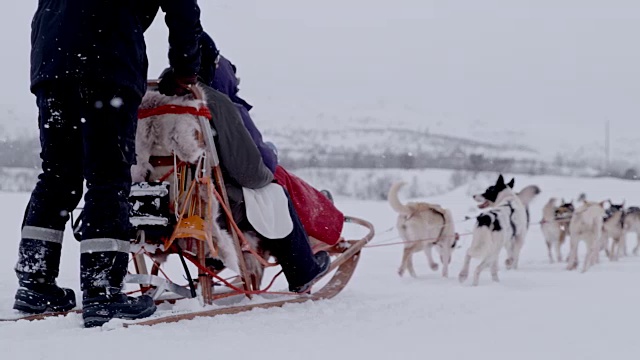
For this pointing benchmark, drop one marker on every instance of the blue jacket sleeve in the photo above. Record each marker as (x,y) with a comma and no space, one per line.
(183,20)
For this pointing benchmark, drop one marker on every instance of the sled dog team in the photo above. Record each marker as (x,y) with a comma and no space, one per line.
(504,223)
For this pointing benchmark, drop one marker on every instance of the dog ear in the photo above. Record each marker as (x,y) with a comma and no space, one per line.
(511,183)
(500,180)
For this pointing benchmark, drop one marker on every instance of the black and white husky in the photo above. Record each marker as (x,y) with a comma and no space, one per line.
(504,224)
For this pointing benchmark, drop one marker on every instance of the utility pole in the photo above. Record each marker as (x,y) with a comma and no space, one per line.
(607,147)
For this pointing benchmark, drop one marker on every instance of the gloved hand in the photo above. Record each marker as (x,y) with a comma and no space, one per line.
(171,84)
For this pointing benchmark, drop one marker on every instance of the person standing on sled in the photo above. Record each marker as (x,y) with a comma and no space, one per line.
(89,73)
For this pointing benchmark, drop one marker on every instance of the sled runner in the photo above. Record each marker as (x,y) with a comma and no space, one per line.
(344,264)
(174,214)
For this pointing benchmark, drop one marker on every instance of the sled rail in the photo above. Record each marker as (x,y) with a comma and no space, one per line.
(344,266)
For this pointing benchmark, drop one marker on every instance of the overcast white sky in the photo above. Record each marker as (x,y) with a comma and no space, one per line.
(566,66)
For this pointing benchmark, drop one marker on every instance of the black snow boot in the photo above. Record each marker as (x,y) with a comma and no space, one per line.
(37,295)
(323,260)
(99,306)
(102,278)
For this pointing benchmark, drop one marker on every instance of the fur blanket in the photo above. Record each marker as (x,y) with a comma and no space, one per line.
(165,135)
(179,134)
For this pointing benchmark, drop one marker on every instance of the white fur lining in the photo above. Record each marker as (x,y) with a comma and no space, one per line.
(165,135)
(179,134)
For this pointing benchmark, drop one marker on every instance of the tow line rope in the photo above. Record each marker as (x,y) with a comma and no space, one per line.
(457,235)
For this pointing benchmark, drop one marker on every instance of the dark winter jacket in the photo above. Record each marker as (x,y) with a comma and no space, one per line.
(240,160)
(226,82)
(209,54)
(101,41)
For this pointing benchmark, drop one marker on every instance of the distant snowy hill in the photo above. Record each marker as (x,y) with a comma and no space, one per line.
(302,142)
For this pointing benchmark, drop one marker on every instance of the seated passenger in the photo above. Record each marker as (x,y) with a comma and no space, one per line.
(320,218)
(219,73)
(241,168)
(244,172)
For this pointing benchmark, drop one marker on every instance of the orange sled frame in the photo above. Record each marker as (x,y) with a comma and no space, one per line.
(194,223)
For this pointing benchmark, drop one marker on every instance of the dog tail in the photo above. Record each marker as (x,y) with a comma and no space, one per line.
(527,194)
(394,201)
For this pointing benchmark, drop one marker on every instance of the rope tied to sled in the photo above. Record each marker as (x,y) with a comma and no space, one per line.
(175,110)
(385,242)
(457,236)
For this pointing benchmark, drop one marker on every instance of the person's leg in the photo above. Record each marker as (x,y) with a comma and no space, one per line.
(300,266)
(57,193)
(108,128)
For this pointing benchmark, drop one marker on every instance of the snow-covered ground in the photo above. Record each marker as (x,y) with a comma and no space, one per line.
(541,311)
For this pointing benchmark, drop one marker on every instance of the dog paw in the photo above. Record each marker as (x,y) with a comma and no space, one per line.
(495,278)
(434,266)
(463,276)
(508,263)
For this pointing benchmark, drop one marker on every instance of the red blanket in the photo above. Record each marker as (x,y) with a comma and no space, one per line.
(320,218)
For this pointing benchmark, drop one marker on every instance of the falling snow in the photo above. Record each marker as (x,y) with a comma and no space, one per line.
(116,102)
